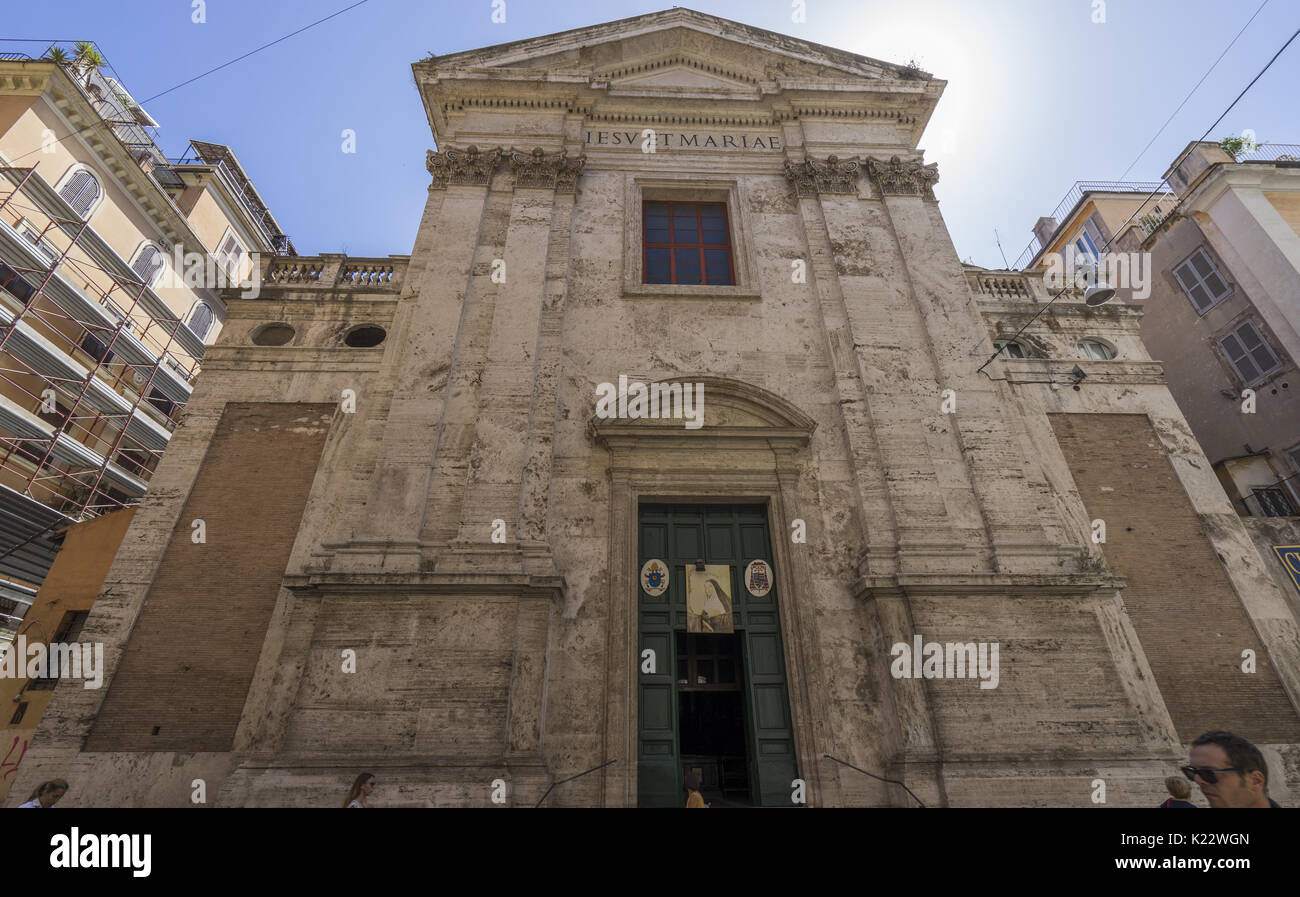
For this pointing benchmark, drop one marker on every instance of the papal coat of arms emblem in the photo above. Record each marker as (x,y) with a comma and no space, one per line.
(654,577)
(758,578)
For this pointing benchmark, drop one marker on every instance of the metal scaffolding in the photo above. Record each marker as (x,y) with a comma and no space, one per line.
(94,370)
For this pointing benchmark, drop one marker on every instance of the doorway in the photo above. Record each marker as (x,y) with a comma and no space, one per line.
(712,728)
(713,700)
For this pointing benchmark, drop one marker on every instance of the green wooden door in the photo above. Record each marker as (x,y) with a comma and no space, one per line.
(717,534)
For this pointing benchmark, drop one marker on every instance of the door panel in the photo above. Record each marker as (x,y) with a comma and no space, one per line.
(716,534)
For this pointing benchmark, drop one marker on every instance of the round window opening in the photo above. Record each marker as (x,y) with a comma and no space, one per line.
(365,337)
(272,334)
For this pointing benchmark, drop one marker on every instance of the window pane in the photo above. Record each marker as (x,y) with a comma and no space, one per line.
(1247,369)
(717,266)
(1218,289)
(685,227)
(1201,263)
(656,223)
(1249,338)
(656,266)
(1200,298)
(1264,358)
(1186,276)
(688,265)
(1232,346)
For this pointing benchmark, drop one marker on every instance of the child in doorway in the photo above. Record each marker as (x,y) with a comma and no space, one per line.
(693,796)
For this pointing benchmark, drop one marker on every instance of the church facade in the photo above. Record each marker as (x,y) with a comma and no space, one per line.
(668,452)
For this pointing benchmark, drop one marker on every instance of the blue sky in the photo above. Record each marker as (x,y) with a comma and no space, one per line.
(1038,95)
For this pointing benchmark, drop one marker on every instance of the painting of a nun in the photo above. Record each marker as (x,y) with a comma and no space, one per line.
(708,600)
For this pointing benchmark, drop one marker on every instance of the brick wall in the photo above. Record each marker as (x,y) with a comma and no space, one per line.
(188,665)
(1192,626)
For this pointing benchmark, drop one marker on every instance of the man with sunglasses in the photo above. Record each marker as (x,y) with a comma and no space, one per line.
(1230,770)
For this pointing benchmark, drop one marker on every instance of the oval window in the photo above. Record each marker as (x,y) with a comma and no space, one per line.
(273,334)
(365,336)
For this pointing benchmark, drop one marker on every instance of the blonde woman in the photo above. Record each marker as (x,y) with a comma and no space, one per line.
(1181,789)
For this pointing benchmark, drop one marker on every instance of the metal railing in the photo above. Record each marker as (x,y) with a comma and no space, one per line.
(240,187)
(1076,193)
(1272,152)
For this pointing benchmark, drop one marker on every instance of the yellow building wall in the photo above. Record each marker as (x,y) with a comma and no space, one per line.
(1288,206)
(115,218)
(73,584)
(1114,211)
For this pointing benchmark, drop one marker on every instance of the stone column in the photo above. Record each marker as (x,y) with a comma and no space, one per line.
(1009,487)
(874,505)
(446,244)
(514,413)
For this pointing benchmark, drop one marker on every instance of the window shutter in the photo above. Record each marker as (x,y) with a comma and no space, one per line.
(1246,368)
(1259,351)
(1201,281)
(74,184)
(147,264)
(201,320)
(81,192)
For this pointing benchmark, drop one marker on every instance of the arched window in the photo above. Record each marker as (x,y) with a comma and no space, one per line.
(81,191)
(201,320)
(1092,348)
(148,263)
(1010,348)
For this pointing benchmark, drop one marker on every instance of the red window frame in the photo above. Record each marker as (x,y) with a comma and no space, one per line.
(672,246)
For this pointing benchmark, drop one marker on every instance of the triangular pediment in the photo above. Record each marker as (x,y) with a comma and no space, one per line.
(677,67)
(740,53)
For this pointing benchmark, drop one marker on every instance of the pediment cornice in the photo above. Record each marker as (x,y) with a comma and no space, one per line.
(677,67)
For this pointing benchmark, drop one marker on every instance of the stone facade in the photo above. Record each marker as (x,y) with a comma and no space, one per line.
(843,391)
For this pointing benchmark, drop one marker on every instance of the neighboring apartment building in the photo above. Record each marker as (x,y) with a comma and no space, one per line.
(476,570)
(1223,314)
(101,335)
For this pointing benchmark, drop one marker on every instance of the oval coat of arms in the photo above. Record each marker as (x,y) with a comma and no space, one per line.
(758,578)
(654,577)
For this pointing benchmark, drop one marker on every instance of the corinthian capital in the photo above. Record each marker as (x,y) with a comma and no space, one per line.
(834,175)
(467,166)
(546,170)
(899,178)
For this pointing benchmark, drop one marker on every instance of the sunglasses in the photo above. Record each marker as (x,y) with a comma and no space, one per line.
(1209,775)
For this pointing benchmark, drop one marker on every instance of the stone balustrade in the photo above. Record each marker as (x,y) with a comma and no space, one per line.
(333,271)
(1015,286)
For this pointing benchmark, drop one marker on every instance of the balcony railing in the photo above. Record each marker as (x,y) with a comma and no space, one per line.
(238,185)
(1272,152)
(336,272)
(1016,286)
(1075,194)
